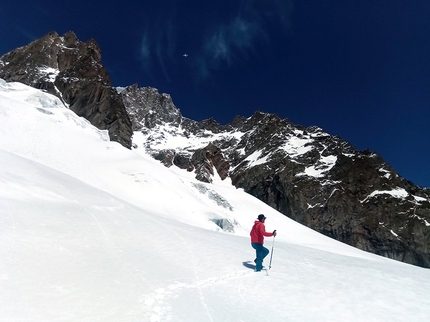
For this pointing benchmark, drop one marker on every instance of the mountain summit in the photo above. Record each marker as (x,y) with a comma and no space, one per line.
(71,70)
(313,177)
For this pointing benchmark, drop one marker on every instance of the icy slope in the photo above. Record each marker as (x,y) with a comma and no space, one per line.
(90,231)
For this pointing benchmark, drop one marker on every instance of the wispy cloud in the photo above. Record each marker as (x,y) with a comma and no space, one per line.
(145,51)
(213,45)
(165,46)
(158,45)
(242,33)
(238,34)
(226,40)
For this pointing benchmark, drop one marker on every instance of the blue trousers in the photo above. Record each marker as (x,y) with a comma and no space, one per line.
(261,253)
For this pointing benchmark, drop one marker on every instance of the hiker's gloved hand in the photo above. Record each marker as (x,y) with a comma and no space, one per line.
(274,232)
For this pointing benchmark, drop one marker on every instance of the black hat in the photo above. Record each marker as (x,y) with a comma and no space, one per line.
(261,217)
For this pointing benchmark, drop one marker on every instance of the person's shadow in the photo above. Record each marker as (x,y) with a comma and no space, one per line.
(249,264)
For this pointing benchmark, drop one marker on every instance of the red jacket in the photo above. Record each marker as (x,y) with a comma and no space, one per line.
(258,232)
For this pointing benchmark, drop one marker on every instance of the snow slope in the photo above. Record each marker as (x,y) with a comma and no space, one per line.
(91,231)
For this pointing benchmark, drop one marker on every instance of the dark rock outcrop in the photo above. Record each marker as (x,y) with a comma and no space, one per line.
(71,70)
(310,176)
(147,108)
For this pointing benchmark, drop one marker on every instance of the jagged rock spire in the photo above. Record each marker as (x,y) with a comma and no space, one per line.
(72,70)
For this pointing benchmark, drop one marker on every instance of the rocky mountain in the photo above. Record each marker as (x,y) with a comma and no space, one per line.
(307,174)
(72,70)
(310,176)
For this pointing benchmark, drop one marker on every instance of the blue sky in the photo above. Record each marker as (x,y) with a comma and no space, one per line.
(358,69)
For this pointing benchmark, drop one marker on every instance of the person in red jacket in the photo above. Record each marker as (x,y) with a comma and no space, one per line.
(258,232)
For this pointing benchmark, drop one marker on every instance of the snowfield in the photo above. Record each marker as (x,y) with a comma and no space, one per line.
(91,231)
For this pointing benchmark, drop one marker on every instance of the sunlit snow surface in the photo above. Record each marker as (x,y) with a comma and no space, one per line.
(91,231)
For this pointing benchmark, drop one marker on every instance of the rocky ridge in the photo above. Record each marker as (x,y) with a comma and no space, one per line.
(310,176)
(71,70)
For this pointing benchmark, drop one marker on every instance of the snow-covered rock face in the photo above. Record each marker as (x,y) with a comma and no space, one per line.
(315,178)
(71,70)
(147,108)
(150,243)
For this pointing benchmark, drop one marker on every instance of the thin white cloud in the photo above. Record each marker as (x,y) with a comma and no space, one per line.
(145,52)
(158,45)
(166,46)
(237,37)
(221,45)
(242,33)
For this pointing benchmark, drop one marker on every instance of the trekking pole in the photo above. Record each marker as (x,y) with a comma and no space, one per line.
(271,253)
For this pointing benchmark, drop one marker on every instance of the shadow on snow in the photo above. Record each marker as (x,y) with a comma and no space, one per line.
(249,265)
